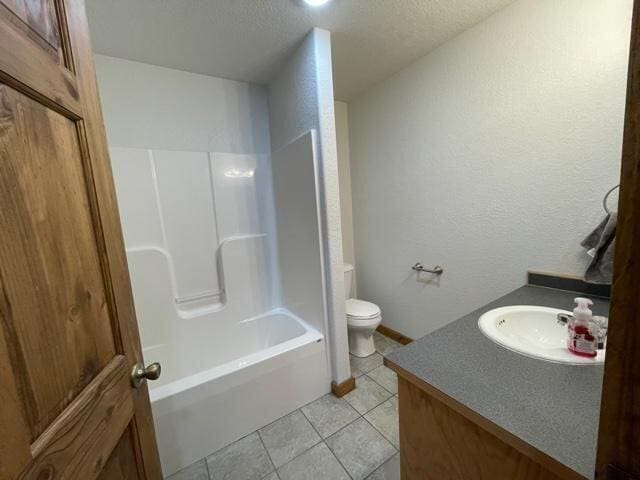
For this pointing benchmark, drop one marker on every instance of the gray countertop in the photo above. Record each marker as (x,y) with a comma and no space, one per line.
(553,407)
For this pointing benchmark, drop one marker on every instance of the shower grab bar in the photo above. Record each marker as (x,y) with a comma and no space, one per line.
(437,270)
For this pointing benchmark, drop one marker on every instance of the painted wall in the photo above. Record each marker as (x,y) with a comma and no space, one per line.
(301,99)
(489,156)
(344,177)
(146,106)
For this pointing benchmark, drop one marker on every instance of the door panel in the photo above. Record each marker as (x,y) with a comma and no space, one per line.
(68,334)
(77,443)
(121,464)
(25,55)
(38,15)
(56,311)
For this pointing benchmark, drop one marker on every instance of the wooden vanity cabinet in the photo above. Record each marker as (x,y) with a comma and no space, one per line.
(441,439)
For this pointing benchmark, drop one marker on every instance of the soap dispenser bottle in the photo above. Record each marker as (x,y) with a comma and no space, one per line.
(582,340)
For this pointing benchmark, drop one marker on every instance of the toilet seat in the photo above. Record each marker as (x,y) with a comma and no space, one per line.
(361,310)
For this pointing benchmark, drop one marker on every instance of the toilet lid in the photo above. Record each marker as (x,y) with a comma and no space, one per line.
(361,309)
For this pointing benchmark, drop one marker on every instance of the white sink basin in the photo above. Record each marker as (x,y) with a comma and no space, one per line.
(533,331)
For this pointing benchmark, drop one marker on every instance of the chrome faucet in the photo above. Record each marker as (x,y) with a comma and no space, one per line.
(602,324)
(603,327)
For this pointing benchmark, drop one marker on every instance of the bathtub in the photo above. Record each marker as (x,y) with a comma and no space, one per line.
(275,363)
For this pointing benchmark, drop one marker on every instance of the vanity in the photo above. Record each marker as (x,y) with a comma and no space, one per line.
(471,409)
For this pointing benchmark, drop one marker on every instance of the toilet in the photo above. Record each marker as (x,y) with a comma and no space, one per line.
(362,319)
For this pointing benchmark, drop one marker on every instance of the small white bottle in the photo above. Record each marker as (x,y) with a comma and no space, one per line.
(582,340)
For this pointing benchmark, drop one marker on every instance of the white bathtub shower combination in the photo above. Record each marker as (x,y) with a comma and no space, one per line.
(227,281)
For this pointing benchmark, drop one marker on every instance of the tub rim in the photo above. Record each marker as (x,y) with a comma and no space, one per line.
(189,382)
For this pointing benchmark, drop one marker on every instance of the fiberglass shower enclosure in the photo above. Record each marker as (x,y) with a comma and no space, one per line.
(228,270)
(202,238)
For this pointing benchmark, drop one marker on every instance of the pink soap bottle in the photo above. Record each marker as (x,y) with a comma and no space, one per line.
(582,339)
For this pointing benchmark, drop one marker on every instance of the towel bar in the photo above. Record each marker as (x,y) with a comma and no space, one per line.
(606,197)
(437,270)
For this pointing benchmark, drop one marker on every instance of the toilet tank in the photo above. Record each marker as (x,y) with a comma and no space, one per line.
(348,280)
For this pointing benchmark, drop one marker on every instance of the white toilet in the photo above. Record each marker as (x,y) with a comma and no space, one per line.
(362,319)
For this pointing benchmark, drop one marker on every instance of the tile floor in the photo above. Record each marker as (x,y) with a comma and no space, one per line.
(353,437)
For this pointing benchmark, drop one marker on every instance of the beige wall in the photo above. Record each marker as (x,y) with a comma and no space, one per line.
(344,174)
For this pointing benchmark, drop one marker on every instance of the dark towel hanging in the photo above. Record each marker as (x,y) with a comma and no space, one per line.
(601,246)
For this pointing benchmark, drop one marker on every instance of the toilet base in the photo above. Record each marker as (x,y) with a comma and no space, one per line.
(361,343)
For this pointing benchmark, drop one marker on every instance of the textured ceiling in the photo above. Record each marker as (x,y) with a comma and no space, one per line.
(249,39)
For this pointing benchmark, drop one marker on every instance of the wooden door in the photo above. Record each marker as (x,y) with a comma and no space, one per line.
(619,433)
(68,334)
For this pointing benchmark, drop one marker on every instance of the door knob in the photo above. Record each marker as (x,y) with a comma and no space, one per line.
(140,373)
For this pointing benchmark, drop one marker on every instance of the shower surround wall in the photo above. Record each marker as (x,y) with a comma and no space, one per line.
(197,229)
(192,166)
